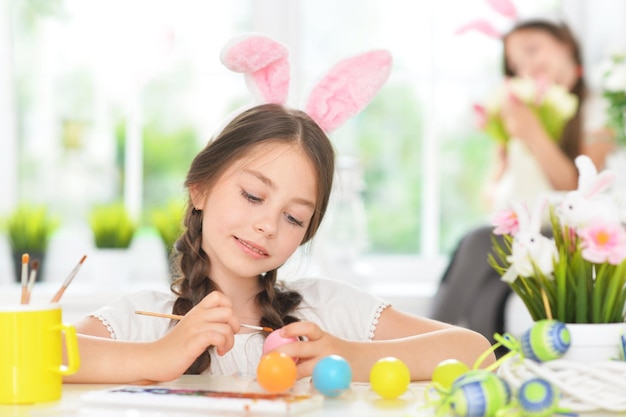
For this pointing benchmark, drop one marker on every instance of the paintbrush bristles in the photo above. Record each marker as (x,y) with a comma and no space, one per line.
(31,280)
(67,281)
(24,278)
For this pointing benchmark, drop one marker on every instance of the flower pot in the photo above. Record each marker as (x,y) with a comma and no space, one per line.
(17,264)
(591,342)
(109,267)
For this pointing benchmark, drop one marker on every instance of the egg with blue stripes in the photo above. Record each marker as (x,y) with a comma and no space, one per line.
(546,340)
(478,393)
(537,398)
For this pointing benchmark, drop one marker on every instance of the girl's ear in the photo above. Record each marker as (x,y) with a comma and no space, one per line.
(197,196)
(347,88)
(264,63)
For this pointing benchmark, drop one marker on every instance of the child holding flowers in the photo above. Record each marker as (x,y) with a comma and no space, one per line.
(529,162)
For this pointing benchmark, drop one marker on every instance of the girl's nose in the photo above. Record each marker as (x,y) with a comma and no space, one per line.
(266,225)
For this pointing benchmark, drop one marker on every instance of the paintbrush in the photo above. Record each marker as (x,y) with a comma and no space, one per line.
(68,281)
(31,279)
(178,317)
(24,278)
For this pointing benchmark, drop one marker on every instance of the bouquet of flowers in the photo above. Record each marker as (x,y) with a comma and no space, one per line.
(613,84)
(552,103)
(579,275)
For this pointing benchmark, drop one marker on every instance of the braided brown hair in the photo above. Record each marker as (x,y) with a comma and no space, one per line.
(265,123)
(572,137)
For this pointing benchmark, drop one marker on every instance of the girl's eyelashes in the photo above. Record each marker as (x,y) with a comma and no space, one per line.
(294,221)
(250,197)
(256,200)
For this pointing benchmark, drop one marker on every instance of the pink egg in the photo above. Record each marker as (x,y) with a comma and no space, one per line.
(274,340)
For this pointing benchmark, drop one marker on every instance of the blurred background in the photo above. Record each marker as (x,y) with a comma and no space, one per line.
(104,102)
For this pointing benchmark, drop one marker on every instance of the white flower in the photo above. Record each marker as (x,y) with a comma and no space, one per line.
(562,100)
(615,80)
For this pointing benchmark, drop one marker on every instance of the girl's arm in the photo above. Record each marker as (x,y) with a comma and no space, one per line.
(106,360)
(419,342)
(522,124)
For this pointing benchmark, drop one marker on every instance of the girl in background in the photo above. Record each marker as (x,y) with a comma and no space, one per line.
(471,292)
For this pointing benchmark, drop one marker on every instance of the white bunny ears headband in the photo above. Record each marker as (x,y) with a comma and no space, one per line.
(342,93)
(506,9)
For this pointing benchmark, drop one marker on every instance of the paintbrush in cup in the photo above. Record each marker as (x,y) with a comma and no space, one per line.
(68,281)
(178,317)
(31,280)
(24,278)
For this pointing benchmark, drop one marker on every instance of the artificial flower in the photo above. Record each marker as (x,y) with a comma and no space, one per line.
(505,222)
(552,103)
(613,84)
(578,276)
(603,242)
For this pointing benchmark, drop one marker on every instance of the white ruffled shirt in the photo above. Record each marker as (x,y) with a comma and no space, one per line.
(338,308)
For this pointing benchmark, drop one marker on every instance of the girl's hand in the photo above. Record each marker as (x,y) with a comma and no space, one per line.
(519,120)
(210,323)
(318,344)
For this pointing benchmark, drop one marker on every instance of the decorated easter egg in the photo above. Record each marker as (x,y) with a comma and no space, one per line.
(390,377)
(538,398)
(332,375)
(274,340)
(478,393)
(546,340)
(447,371)
(276,372)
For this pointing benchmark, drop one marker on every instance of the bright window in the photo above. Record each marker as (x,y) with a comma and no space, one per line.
(90,76)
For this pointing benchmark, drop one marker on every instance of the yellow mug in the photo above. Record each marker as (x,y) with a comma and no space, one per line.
(31,353)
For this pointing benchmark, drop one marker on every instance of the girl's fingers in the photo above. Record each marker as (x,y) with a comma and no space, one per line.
(306,329)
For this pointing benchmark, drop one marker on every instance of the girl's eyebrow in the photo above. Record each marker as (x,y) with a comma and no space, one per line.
(267,181)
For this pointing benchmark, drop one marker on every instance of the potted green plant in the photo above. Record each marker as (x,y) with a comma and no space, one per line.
(29,228)
(112,226)
(113,229)
(168,222)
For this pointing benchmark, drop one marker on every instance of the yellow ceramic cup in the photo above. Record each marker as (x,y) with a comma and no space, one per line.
(31,352)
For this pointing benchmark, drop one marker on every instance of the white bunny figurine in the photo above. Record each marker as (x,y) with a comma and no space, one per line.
(529,245)
(588,202)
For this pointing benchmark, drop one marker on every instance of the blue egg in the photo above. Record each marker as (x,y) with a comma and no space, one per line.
(538,398)
(332,375)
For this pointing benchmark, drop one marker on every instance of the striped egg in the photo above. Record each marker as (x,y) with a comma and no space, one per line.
(545,340)
(478,393)
(537,398)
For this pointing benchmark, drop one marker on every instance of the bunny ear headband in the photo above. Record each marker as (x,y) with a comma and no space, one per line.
(504,8)
(342,93)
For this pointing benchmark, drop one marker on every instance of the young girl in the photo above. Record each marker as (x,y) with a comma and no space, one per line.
(533,163)
(256,193)
(471,291)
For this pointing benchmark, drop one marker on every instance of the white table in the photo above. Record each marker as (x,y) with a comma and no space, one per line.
(360,401)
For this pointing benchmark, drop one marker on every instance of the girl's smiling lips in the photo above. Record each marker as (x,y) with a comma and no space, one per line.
(251,248)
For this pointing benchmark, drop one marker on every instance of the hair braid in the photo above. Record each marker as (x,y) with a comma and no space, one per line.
(276,302)
(193,284)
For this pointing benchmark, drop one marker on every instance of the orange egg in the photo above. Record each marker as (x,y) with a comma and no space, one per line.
(276,372)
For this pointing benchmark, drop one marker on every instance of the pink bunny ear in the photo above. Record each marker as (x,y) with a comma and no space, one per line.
(264,63)
(481,26)
(504,7)
(347,88)
(602,181)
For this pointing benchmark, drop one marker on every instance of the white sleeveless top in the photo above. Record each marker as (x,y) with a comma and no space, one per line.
(338,308)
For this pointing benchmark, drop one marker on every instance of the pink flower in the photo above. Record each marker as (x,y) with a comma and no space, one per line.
(603,242)
(481,115)
(506,222)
